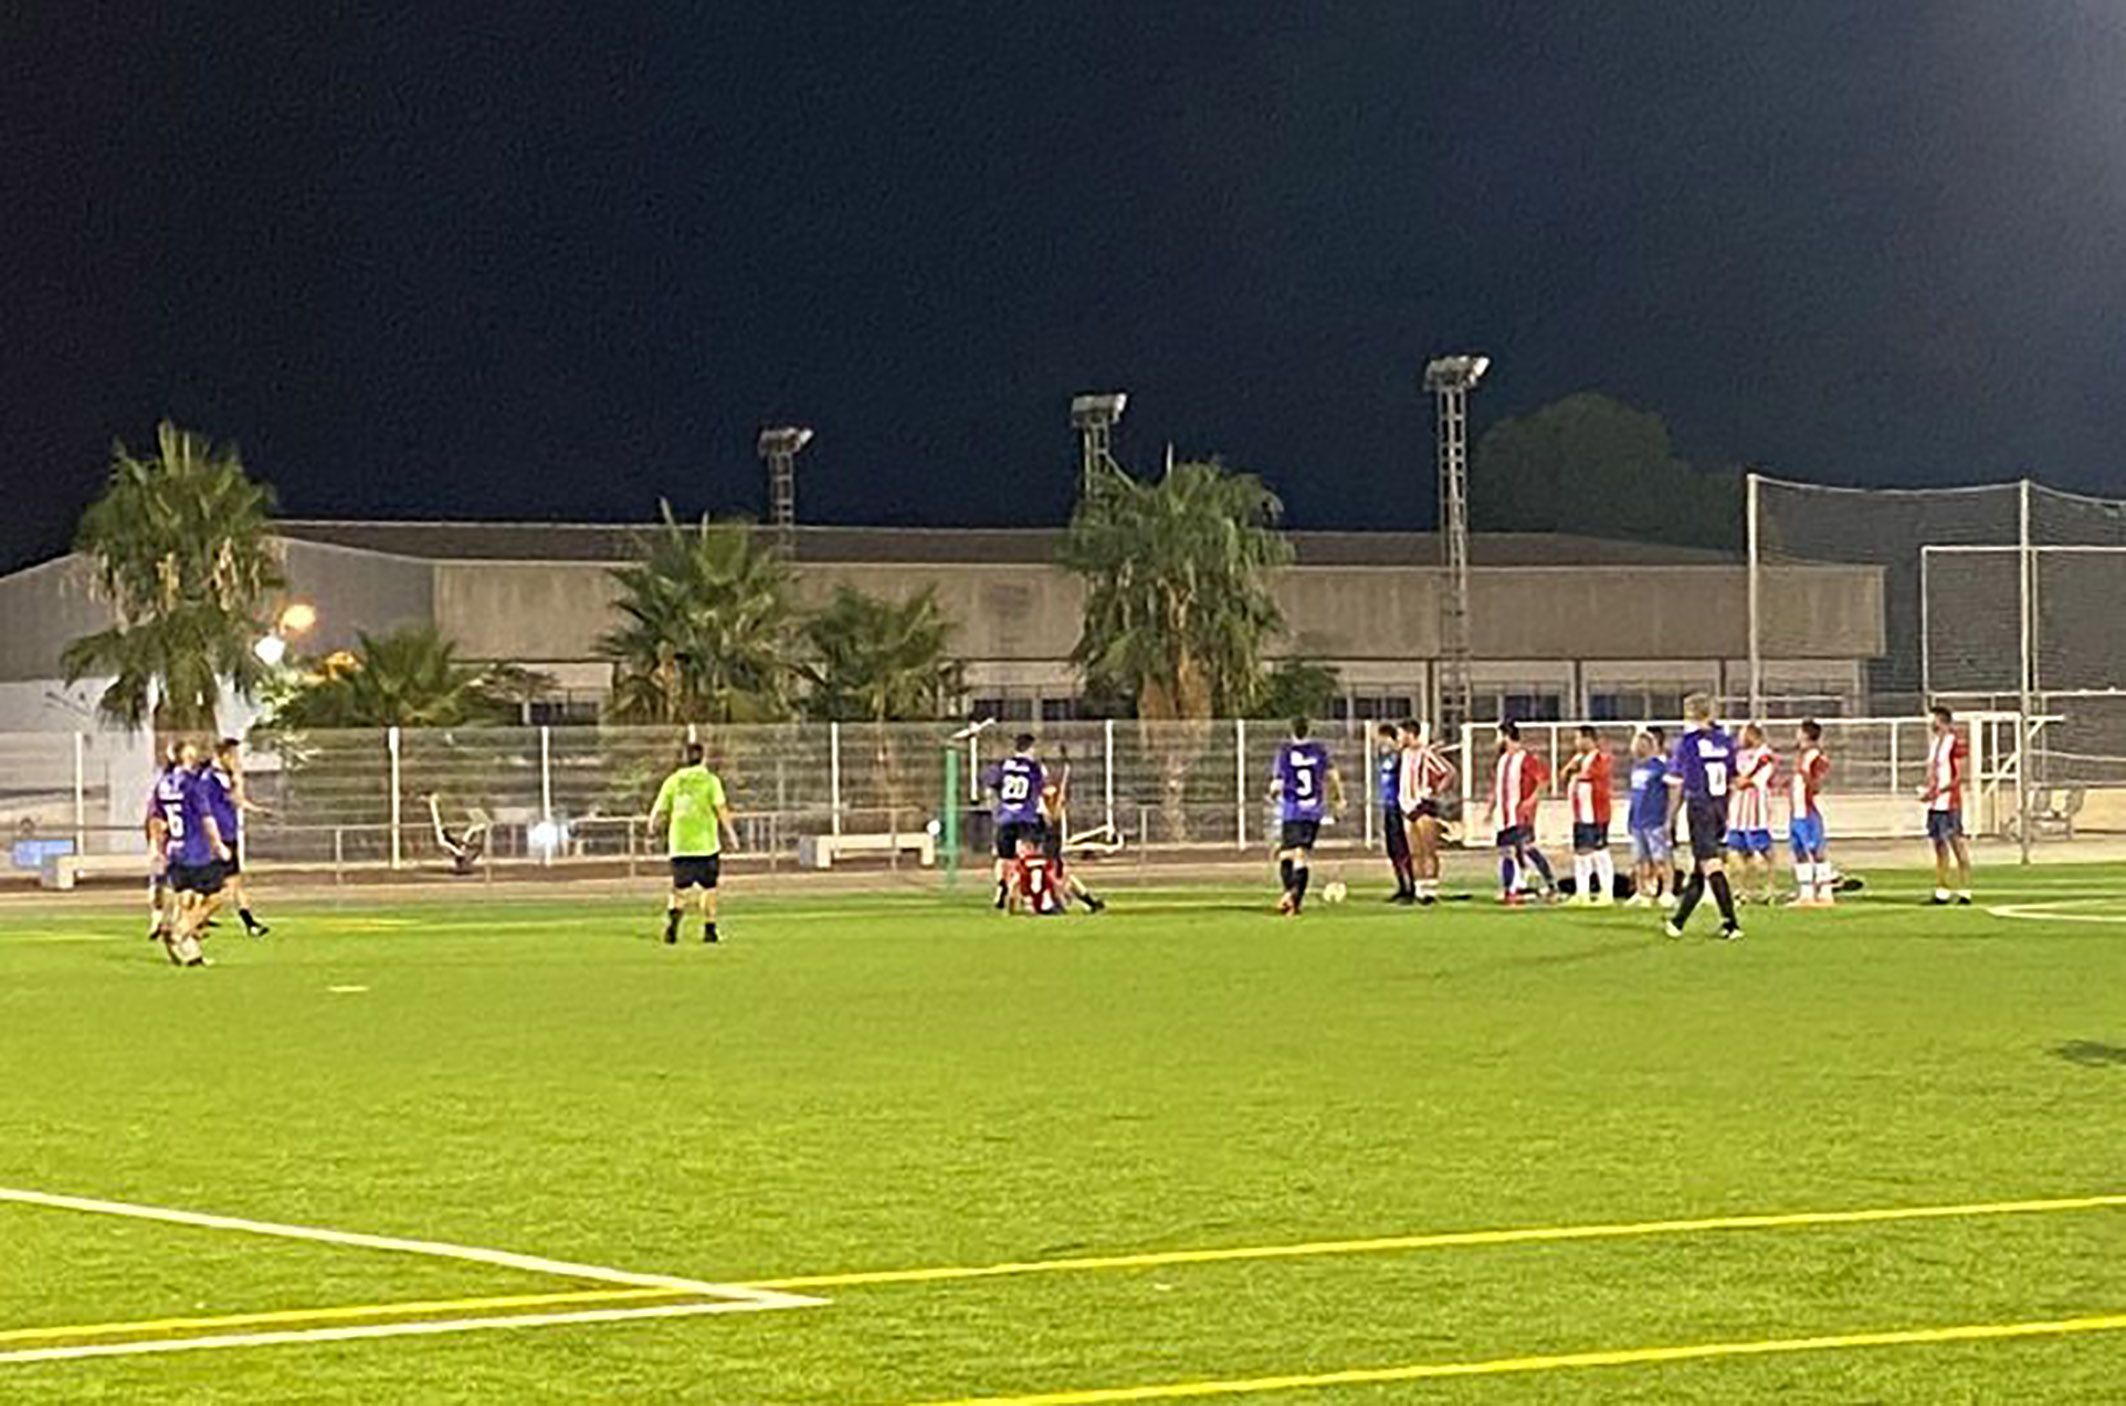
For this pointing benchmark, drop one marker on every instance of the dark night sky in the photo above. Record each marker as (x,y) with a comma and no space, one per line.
(559,260)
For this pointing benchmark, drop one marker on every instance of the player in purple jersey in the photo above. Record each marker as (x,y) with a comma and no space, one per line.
(163,796)
(1017,783)
(1307,791)
(1699,773)
(196,850)
(228,800)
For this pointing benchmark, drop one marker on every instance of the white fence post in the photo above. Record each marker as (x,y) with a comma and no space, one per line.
(391,743)
(1108,778)
(546,791)
(1240,783)
(1366,783)
(81,795)
(834,775)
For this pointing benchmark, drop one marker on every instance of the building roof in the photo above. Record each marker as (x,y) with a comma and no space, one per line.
(561,541)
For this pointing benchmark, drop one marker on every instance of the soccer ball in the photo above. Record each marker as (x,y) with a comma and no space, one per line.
(1334,891)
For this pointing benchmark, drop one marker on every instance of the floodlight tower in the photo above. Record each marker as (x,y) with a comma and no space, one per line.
(1093,416)
(779,446)
(1450,379)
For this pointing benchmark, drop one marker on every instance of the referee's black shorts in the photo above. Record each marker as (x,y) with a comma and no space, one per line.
(1707,818)
(1398,833)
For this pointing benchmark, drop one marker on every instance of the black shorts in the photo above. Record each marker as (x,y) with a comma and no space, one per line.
(1514,837)
(1707,822)
(696,871)
(202,879)
(1398,834)
(1010,832)
(1586,839)
(1426,810)
(1299,834)
(232,866)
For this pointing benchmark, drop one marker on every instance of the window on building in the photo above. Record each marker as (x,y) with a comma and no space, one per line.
(1058,710)
(1004,710)
(1521,704)
(1633,704)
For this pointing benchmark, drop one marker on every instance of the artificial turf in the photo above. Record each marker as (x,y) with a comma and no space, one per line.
(854,1084)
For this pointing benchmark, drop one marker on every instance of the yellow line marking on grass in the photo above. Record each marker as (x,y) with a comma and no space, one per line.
(1556,1362)
(403,1308)
(1526,1235)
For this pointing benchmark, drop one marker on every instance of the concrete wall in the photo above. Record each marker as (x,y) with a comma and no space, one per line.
(42,611)
(355,591)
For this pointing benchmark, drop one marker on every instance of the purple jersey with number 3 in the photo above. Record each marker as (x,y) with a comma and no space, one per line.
(1302,780)
(1703,763)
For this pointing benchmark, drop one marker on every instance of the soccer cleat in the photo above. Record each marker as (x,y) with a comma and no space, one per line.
(1095,905)
(1509,899)
(1426,900)
(1963,900)
(1403,900)
(1672,928)
(1731,932)
(708,934)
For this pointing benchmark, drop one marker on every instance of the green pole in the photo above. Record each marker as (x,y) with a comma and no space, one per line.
(951,816)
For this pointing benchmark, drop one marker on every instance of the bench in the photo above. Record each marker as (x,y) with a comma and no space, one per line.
(820,851)
(60,871)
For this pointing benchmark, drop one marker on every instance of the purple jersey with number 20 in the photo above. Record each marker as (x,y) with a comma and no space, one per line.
(1302,780)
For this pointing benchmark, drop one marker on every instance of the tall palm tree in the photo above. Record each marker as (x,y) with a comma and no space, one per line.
(708,634)
(411,677)
(880,661)
(1178,602)
(179,547)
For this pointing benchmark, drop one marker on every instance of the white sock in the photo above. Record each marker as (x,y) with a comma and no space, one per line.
(1605,867)
(1804,881)
(1943,894)
(1582,875)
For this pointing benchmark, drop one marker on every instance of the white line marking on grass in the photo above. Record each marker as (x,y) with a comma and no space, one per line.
(391,1330)
(433,1249)
(2050,911)
(346,990)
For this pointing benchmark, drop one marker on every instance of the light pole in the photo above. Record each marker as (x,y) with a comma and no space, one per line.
(1450,379)
(1093,416)
(779,446)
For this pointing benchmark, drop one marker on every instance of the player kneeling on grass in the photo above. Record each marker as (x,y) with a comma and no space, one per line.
(1305,786)
(692,800)
(1594,872)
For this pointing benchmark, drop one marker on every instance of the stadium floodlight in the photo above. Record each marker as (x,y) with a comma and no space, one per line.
(1093,416)
(1450,379)
(780,445)
(271,650)
(296,618)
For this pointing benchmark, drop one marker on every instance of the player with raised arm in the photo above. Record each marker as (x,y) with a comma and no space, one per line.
(1700,778)
(1947,757)
(1017,782)
(1307,790)
(1394,829)
(1587,780)
(1815,882)
(229,800)
(197,852)
(1653,865)
(1749,824)
(1055,829)
(693,803)
(1427,777)
(1516,789)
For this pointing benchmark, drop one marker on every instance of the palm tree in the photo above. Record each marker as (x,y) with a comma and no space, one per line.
(880,661)
(411,677)
(1178,604)
(178,546)
(709,633)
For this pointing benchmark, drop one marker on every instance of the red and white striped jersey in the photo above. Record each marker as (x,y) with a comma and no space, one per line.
(1427,776)
(1514,784)
(1946,756)
(1751,808)
(1811,769)
(1590,788)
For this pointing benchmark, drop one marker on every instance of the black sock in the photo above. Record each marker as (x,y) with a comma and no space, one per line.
(671,921)
(1299,880)
(249,921)
(1693,890)
(1724,896)
(1284,871)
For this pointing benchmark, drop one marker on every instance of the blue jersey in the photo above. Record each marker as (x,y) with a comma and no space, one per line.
(1018,782)
(189,844)
(1649,793)
(1302,780)
(1703,763)
(1391,779)
(220,787)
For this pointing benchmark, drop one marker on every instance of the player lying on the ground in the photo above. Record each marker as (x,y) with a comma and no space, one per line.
(1944,796)
(693,803)
(1427,776)
(463,846)
(1516,784)
(1749,825)
(1307,791)
(1594,872)
(1700,776)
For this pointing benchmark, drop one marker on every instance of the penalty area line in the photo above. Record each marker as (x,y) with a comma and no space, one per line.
(1557,1362)
(401,1308)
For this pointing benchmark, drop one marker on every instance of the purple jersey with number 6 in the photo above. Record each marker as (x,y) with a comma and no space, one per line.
(1302,780)
(1703,763)
(192,847)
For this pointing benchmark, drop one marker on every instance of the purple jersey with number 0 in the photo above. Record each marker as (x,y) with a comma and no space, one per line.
(1703,763)
(1302,780)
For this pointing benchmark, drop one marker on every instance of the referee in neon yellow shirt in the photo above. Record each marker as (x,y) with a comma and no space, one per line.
(693,802)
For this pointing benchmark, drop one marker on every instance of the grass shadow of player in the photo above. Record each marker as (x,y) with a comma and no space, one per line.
(2092,1054)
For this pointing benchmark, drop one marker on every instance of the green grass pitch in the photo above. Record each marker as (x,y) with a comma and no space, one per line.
(907,1082)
